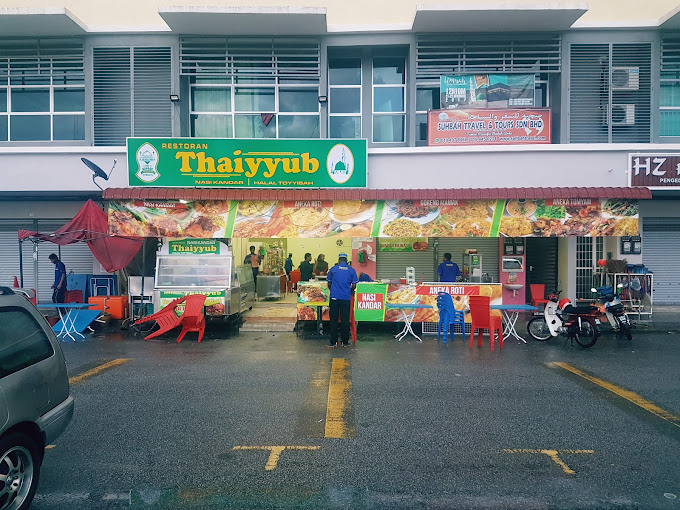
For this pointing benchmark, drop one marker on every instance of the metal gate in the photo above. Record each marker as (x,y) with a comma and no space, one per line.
(660,248)
(486,246)
(394,264)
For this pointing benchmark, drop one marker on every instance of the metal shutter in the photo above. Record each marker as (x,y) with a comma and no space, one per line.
(131,93)
(610,93)
(541,262)
(63,59)
(487,247)
(291,58)
(76,257)
(9,253)
(660,248)
(394,264)
(112,96)
(438,54)
(152,88)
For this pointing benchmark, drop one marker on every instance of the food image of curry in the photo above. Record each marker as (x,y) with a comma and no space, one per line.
(516,227)
(402,228)
(420,246)
(306,313)
(521,208)
(626,227)
(410,210)
(212,207)
(312,294)
(401,294)
(255,207)
(126,224)
(547,228)
(204,227)
(472,228)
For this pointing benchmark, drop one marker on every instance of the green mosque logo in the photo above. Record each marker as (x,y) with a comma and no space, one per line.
(340,163)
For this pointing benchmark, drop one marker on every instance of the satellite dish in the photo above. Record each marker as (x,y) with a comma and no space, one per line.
(97,171)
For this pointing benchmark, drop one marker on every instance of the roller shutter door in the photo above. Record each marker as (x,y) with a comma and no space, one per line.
(9,253)
(394,264)
(660,248)
(76,257)
(486,246)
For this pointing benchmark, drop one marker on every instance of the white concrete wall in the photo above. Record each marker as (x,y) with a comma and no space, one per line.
(40,169)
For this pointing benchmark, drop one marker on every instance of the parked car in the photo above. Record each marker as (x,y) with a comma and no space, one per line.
(35,406)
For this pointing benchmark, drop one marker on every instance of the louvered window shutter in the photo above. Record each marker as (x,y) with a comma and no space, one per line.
(610,93)
(131,93)
(669,97)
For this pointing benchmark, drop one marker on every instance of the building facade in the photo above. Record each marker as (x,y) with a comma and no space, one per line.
(76,81)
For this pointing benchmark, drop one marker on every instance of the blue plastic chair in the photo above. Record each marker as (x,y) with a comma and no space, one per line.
(448,315)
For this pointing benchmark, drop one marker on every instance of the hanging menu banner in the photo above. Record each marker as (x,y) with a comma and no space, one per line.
(246,163)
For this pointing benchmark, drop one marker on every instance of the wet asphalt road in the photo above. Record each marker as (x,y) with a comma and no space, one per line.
(431,425)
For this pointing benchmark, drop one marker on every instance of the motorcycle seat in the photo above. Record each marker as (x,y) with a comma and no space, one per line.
(579,310)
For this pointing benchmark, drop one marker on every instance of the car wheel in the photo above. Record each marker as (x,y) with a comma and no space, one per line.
(19,471)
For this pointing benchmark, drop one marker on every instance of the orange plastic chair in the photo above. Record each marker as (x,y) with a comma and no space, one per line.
(294,280)
(482,319)
(193,319)
(166,318)
(538,294)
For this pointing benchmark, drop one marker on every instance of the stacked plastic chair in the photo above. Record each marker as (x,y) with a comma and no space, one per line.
(482,319)
(448,316)
(192,319)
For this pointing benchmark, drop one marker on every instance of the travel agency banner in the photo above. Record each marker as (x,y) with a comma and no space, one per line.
(246,163)
(487,91)
(485,126)
(385,219)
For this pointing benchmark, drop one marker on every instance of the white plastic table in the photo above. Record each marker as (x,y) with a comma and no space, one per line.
(510,316)
(68,318)
(407,318)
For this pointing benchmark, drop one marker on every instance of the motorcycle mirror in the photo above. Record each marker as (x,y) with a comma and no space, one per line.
(593,289)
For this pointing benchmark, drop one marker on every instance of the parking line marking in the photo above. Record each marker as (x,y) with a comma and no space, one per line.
(275,453)
(628,395)
(554,456)
(339,406)
(96,370)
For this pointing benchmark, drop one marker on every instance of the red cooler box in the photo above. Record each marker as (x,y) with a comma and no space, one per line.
(116,306)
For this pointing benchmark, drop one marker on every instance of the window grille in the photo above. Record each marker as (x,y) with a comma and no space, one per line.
(669,98)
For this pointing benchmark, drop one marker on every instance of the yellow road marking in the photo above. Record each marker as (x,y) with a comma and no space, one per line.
(339,395)
(275,453)
(553,454)
(628,395)
(96,370)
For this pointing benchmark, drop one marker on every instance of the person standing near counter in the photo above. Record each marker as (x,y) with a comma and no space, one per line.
(321,266)
(288,265)
(254,260)
(342,278)
(448,271)
(306,268)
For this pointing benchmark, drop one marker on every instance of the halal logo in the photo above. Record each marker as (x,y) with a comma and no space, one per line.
(340,163)
(147,163)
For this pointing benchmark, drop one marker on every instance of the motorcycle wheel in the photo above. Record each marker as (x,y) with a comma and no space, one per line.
(538,329)
(588,334)
(625,329)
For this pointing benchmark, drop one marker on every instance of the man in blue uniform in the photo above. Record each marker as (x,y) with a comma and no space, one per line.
(448,271)
(341,280)
(59,285)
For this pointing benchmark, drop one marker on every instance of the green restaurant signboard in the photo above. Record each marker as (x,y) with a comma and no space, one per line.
(246,163)
(194,247)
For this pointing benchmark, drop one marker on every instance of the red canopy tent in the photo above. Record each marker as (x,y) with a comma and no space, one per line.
(91,225)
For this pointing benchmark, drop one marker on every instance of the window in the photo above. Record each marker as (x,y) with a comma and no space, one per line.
(42,91)
(389,99)
(252,88)
(23,341)
(344,101)
(669,92)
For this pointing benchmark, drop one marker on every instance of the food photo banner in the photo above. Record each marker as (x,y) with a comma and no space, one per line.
(487,91)
(488,127)
(246,163)
(414,220)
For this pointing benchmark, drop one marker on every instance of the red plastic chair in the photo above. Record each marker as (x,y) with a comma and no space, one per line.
(166,318)
(538,294)
(482,319)
(73,296)
(294,280)
(193,318)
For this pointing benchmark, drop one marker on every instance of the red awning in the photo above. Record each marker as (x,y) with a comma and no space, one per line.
(638,192)
(91,225)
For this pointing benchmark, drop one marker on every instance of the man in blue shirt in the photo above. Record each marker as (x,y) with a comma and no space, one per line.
(288,265)
(364,277)
(448,271)
(341,280)
(59,286)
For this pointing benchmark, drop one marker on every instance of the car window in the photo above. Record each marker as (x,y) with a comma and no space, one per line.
(22,340)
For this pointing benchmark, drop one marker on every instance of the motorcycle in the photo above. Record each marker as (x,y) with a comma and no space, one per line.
(578,323)
(613,309)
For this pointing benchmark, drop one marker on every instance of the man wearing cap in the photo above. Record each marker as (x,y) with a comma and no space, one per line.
(341,279)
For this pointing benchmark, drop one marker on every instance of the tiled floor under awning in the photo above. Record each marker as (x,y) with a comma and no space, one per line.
(272,315)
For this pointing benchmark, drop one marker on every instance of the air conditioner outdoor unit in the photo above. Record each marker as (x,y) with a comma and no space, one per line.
(621,115)
(625,78)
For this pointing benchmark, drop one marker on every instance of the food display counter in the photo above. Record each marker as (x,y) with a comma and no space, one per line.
(202,266)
